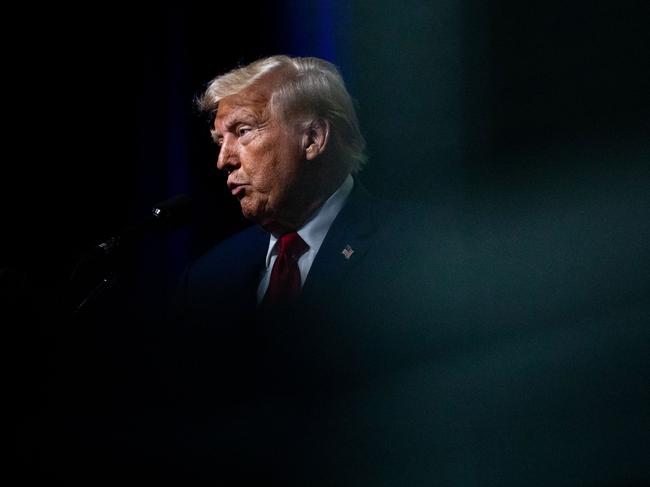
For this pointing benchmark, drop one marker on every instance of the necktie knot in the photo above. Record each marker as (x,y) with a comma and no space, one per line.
(291,245)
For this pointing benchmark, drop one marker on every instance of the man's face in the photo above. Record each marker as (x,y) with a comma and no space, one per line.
(261,153)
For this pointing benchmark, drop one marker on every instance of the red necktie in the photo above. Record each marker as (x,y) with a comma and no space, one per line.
(285,283)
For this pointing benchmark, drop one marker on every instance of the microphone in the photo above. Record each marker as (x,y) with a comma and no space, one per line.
(173,212)
(165,216)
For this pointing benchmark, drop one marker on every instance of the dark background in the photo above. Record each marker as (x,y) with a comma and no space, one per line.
(527,112)
(455,98)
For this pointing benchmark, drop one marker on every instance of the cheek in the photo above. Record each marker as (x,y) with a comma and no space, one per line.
(262,170)
(269,166)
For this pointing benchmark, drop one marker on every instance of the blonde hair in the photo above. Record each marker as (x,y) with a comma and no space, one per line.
(311,88)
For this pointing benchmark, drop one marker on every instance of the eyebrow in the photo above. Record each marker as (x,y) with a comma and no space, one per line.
(240,115)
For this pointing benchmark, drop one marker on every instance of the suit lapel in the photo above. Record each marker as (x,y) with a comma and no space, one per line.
(344,248)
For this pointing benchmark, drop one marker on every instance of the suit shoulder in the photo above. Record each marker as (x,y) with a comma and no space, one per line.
(229,254)
(226,269)
(236,244)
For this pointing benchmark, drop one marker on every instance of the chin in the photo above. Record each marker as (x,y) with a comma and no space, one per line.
(250,213)
(255,208)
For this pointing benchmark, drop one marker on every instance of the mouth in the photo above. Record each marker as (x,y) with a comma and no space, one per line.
(237,189)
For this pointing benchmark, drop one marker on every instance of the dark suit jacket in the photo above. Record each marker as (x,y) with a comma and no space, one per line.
(349,327)
(229,273)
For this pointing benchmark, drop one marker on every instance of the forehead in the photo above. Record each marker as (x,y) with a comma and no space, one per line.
(253,101)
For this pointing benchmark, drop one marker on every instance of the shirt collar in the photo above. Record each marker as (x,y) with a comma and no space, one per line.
(314,230)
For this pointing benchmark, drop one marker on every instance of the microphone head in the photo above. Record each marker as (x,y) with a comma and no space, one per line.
(166,216)
(173,212)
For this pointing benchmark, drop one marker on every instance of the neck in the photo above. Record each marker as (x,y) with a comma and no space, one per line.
(305,207)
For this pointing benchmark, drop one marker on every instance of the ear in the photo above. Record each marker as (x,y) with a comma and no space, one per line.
(315,138)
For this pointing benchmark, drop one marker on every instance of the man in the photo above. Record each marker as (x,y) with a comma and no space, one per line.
(311,302)
(290,144)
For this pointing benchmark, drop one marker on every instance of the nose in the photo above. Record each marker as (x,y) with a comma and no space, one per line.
(228,159)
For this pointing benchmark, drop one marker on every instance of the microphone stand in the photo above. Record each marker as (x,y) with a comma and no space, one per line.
(166,215)
(85,274)
(106,283)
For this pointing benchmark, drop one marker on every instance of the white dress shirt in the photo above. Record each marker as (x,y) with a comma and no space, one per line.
(313,233)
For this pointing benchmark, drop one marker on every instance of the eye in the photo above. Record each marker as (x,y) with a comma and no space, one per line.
(243,130)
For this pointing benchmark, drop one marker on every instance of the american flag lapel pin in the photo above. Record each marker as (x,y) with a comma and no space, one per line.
(347,252)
